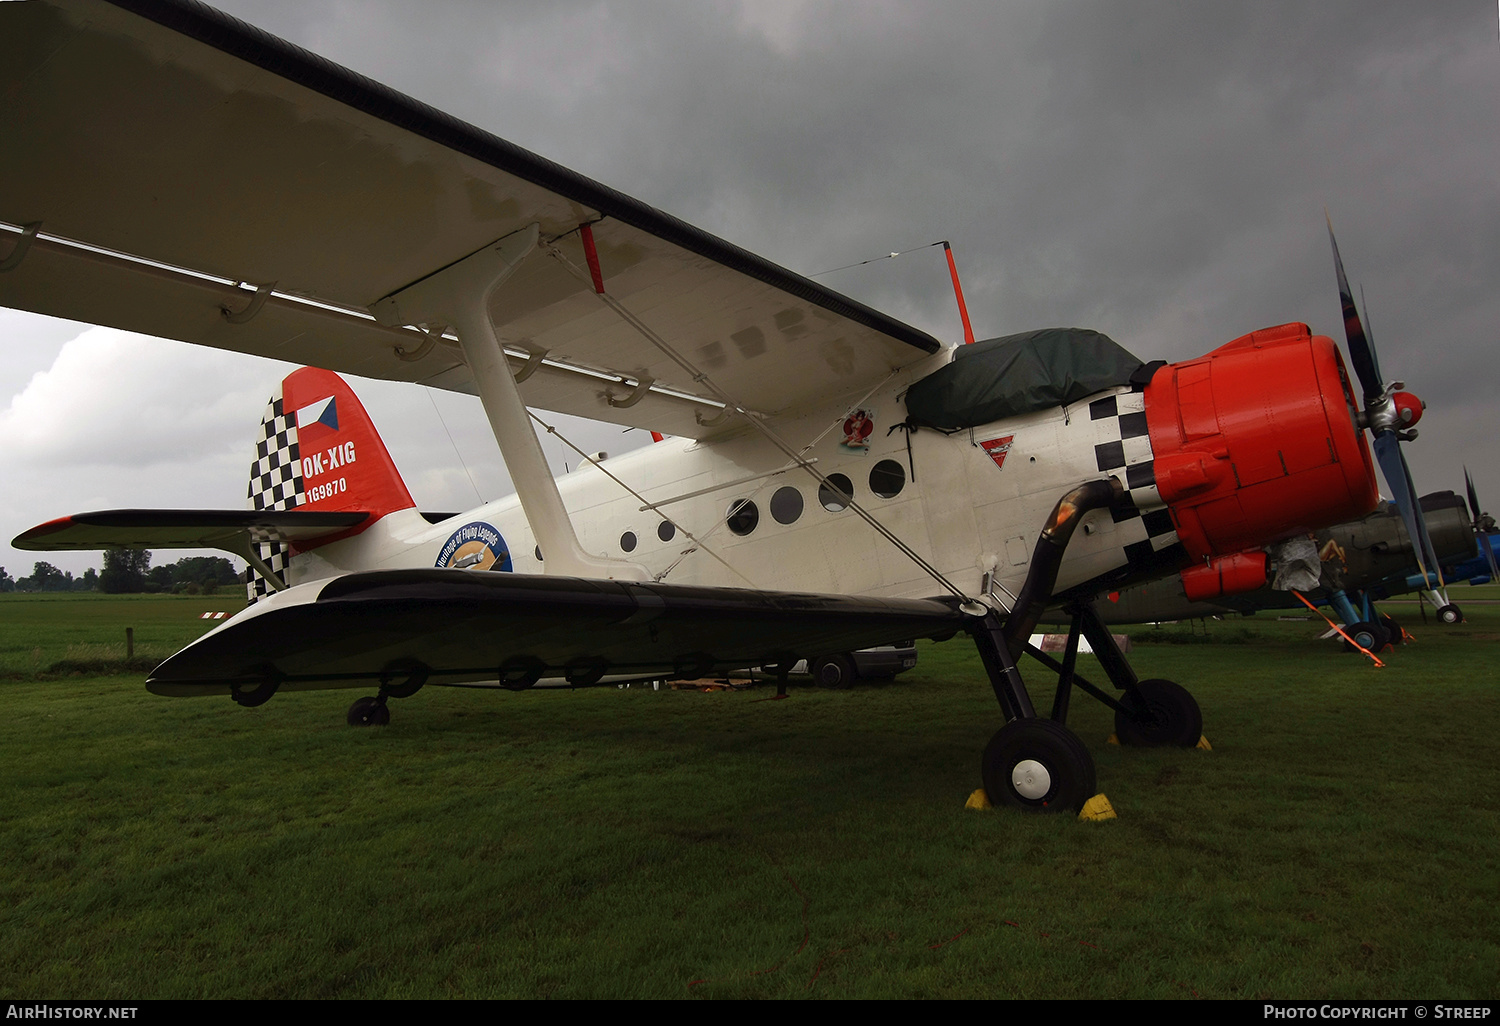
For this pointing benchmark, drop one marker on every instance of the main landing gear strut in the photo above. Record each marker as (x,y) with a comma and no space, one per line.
(1038,763)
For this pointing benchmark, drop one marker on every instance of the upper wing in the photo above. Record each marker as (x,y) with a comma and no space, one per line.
(192,153)
(466,626)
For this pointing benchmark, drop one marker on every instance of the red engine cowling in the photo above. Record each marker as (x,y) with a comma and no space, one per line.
(1227,575)
(1257,441)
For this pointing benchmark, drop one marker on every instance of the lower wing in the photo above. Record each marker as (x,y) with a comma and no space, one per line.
(476,627)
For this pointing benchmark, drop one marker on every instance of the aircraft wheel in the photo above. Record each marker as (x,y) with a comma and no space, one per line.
(369,712)
(835,671)
(1450,614)
(1171,717)
(1368,635)
(1393,632)
(1038,765)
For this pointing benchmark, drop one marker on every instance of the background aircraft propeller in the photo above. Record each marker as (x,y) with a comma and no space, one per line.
(1391,415)
(1483,525)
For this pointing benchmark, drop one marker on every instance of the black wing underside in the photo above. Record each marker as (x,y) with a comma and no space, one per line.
(463,627)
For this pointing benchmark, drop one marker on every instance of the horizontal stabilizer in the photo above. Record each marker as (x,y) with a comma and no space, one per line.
(465,627)
(232,530)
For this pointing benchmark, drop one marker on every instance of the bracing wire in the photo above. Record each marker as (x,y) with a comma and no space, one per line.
(701,378)
(874,260)
(697,543)
(461,461)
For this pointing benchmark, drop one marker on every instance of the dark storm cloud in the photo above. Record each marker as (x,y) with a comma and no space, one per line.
(1155,170)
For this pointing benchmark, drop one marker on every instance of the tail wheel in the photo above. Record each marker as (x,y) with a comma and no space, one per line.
(1368,636)
(835,671)
(1038,765)
(1161,714)
(369,712)
(1450,614)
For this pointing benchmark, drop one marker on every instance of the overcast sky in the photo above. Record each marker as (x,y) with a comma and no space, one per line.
(1156,171)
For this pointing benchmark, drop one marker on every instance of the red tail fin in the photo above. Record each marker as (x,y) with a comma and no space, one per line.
(318,450)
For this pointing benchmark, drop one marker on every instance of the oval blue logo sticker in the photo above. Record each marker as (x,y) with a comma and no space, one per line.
(475,546)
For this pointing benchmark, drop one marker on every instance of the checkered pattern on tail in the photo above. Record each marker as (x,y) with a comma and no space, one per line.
(275,483)
(1123,449)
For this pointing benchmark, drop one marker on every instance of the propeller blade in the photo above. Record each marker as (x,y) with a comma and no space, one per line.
(1361,351)
(1398,476)
(1481,526)
(1489,554)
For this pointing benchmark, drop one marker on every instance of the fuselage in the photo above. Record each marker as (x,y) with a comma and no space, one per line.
(730,512)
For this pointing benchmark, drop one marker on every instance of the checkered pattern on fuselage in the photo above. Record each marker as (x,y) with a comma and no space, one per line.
(1123,449)
(275,483)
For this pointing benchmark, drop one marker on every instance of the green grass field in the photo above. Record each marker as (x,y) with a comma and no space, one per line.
(1339,841)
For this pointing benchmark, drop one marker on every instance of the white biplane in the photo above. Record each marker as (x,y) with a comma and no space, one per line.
(169,170)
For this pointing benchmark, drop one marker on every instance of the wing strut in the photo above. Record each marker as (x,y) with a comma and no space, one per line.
(249,555)
(958,293)
(459,295)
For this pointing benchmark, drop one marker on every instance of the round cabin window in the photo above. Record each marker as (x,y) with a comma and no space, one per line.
(836,494)
(627,541)
(742,516)
(666,530)
(887,478)
(786,505)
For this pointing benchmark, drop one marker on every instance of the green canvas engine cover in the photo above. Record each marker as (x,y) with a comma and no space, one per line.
(1005,377)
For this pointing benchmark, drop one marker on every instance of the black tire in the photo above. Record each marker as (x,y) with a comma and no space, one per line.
(1393,632)
(1370,636)
(1038,765)
(1171,717)
(835,671)
(368,712)
(1450,614)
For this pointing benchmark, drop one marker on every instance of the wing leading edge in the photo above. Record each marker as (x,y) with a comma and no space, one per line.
(236,157)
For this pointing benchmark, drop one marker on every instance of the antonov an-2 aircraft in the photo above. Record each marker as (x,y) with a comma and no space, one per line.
(169,170)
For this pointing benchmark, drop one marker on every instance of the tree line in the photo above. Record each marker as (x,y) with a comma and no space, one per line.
(129,571)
